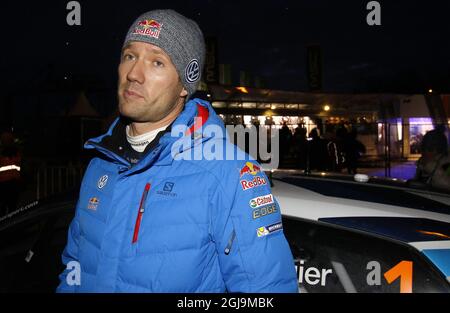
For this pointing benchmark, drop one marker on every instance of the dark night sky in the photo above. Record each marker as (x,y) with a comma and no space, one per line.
(409,52)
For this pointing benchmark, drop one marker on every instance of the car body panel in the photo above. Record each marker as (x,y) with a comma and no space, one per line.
(426,230)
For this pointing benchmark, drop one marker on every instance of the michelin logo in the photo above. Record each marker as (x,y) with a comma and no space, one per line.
(267,230)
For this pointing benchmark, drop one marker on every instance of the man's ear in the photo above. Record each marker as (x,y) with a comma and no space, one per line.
(183,92)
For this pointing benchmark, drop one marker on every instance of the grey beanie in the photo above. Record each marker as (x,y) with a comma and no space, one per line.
(179,37)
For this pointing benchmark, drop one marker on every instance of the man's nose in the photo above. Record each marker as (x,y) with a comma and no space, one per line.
(136,73)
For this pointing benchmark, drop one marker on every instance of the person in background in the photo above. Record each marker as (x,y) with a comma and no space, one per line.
(285,143)
(336,157)
(433,167)
(300,145)
(353,150)
(318,154)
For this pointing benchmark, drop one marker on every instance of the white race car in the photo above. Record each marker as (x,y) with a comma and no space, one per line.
(376,236)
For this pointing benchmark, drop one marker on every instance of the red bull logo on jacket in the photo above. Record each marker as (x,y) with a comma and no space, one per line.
(255,182)
(93,203)
(148,28)
(250,168)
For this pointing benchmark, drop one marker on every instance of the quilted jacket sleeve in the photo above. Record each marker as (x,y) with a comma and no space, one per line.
(70,259)
(254,254)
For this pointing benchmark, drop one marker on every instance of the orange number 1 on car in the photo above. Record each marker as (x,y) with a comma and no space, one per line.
(404,270)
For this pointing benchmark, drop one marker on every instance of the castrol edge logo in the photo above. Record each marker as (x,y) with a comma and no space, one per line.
(260,201)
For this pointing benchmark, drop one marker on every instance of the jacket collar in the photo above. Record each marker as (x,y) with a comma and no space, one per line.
(196,115)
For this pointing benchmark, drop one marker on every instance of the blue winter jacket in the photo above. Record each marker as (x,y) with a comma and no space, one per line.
(177,222)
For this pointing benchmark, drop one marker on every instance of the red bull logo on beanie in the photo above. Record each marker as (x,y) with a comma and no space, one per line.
(250,168)
(148,28)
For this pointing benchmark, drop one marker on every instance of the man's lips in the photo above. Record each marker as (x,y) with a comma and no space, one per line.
(131,94)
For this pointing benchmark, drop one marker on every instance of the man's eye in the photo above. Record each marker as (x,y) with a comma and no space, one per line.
(128,57)
(158,63)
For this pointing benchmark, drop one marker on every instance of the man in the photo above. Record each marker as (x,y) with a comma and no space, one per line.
(433,168)
(150,221)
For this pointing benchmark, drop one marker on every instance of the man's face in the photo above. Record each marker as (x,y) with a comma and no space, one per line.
(149,86)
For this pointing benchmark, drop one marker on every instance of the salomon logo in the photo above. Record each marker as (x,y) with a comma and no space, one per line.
(168,186)
(167,190)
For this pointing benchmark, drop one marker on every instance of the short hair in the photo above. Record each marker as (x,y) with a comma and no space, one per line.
(435,141)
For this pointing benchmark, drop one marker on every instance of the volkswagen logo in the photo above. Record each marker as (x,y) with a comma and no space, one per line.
(192,72)
(102,181)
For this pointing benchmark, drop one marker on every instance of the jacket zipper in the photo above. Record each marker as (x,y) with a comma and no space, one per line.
(140,213)
(230,243)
